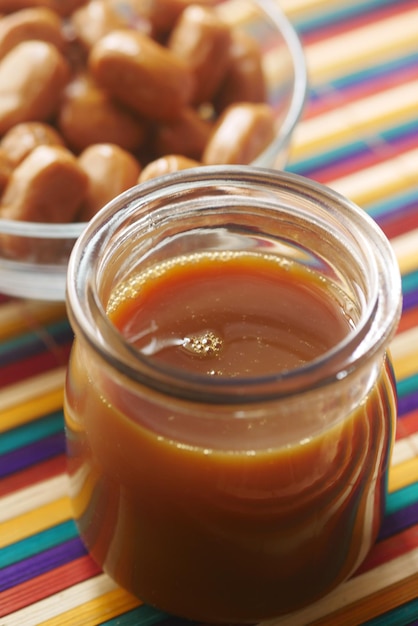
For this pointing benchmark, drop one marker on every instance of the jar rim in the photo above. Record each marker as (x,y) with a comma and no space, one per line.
(369,337)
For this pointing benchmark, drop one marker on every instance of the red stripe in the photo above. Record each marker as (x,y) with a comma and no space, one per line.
(41,362)
(390,549)
(408,320)
(47,584)
(396,226)
(35,474)
(408,425)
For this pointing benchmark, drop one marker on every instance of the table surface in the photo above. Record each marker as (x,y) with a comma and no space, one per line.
(359,135)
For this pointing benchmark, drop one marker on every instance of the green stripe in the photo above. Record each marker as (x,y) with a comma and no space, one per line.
(322,159)
(407,385)
(337,12)
(410,281)
(392,204)
(34,431)
(386,68)
(33,337)
(35,544)
(401,499)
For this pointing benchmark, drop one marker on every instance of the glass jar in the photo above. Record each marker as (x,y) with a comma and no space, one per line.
(231,498)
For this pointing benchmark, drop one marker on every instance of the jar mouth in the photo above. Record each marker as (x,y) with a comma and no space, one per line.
(141,215)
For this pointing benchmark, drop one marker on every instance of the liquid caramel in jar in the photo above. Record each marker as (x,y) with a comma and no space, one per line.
(245,527)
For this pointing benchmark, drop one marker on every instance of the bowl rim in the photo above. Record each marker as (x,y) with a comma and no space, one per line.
(300,91)
(72,230)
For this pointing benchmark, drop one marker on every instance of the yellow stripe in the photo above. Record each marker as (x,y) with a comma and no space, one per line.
(29,399)
(362,47)
(356,120)
(404,351)
(31,410)
(403,474)
(35,521)
(305,8)
(96,611)
(380,181)
(406,250)
(25,315)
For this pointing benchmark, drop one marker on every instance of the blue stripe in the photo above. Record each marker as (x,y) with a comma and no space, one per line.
(407,403)
(392,206)
(34,431)
(340,12)
(33,342)
(32,454)
(399,521)
(407,385)
(40,542)
(386,68)
(402,498)
(41,563)
(410,281)
(319,161)
(410,300)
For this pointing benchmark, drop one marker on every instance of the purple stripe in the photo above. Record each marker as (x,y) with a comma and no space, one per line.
(408,403)
(398,521)
(19,573)
(32,343)
(410,300)
(401,210)
(32,454)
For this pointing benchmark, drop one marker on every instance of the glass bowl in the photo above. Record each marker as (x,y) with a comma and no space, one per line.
(34,256)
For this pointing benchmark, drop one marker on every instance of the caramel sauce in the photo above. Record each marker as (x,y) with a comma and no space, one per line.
(224,534)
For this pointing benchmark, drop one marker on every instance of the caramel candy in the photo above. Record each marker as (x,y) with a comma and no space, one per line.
(32,76)
(202,40)
(48,186)
(39,23)
(142,74)
(186,135)
(100,17)
(88,116)
(166,165)
(20,140)
(244,80)
(5,169)
(242,132)
(62,7)
(110,171)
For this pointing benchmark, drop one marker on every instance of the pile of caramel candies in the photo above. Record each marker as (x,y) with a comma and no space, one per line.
(97,96)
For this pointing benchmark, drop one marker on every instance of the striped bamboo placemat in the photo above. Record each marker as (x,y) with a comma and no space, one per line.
(359,135)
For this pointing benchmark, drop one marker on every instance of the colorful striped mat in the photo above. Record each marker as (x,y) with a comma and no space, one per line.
(359,135)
